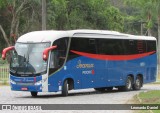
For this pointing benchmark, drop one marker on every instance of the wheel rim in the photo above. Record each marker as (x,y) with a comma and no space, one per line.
(138,83)
(128,84)
(67,87)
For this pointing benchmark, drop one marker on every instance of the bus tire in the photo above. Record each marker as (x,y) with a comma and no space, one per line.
(128,84)
(109,88)
(65,88)
(138,83)
(34,94)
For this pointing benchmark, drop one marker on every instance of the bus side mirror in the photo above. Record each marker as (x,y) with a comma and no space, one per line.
(46,52)
(4,52)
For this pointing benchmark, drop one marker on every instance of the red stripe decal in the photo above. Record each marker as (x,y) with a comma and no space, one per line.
(113,57)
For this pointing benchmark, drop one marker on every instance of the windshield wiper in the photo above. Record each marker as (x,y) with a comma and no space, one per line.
(21,64)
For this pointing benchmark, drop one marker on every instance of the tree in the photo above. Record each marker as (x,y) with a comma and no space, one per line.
(157,7)
(20,16)
(85,14)
(146,11)
(150,8)
(57,14)
(14,12)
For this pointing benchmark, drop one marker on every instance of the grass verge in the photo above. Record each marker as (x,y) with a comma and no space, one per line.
(148,97)
(4,84)
(157,82)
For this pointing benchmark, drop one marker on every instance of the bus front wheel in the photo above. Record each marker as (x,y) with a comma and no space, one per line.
(65,88)
(34,94)
(128,84)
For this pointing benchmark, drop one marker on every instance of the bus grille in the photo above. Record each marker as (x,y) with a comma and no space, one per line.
(25,84)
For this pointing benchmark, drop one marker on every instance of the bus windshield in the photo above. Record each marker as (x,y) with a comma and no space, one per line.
(27,59)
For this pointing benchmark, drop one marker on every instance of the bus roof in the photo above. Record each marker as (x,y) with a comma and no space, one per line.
(52,35)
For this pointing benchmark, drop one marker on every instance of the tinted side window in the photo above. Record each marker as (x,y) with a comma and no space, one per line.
(134,46)
(62,45)
(58,55)
(110,47)
(141,46)
(151,46)
(87,45)
(83,45)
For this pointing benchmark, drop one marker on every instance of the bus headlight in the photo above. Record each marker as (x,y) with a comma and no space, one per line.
(12,82)
(40,82)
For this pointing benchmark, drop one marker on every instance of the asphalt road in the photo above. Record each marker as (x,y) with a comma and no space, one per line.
(85,96)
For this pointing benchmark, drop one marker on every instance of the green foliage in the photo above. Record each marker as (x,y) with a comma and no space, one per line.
(2,62)
(18,17)
(115,18)
(149,24)
(61,15)
(150,97)
(4,3)
(58,17)
(146,9)
(84,14)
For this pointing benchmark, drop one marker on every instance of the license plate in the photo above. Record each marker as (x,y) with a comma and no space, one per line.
(24,88)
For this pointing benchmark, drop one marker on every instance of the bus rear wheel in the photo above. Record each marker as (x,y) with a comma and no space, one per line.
(34,94)
(138,83)
(65,88)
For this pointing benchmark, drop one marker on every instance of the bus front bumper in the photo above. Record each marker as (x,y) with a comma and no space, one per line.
(26,83)
(18,87)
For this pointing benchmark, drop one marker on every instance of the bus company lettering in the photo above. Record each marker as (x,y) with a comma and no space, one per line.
(88,72)
(80,65)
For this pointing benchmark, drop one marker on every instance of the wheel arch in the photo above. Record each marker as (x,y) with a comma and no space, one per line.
(70,81)
(126,74)
(132,76)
